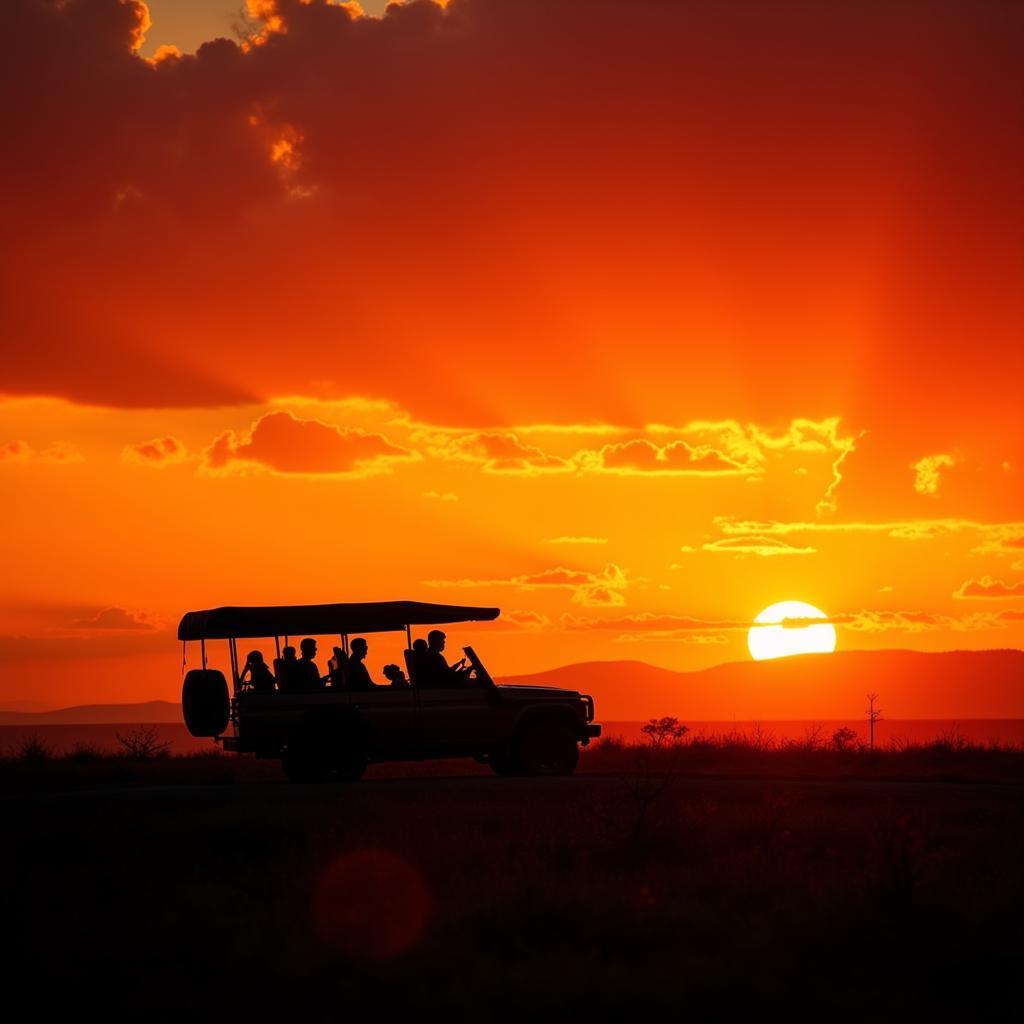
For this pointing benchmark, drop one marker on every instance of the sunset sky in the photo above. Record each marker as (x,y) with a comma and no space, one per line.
(629,318)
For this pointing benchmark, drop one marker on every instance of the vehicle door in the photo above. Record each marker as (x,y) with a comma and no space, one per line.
(389,715)
(459,719)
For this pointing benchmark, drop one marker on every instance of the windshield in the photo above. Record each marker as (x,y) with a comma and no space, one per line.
(480,674)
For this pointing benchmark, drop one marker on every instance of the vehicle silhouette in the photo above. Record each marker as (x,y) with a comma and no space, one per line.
(336,731)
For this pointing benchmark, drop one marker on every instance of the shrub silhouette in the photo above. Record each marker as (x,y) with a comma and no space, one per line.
(143,744)
(844,739)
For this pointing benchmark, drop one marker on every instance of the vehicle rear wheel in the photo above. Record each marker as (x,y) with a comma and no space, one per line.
(547,748)
(349,762)
(305,760)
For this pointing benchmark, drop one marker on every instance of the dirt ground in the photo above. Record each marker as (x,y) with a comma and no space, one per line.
(490,899)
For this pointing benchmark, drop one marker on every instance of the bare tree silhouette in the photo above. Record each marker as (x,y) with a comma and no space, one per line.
(874,715)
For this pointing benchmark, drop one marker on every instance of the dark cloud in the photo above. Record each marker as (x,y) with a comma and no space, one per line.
(160,451)
(114,618)
(519,203)
(643,456)
(282,442)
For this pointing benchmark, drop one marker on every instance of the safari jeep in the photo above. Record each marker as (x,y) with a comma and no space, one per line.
(336,732)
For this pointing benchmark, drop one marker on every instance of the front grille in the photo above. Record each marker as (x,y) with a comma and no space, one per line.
(588,706)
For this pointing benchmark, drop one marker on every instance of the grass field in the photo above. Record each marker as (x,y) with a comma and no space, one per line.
(698,880)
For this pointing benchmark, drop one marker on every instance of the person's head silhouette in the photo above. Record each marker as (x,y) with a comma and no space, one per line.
(289,653)
(358,648)
(419,646)
(435,640)
(308,648)
(254,658)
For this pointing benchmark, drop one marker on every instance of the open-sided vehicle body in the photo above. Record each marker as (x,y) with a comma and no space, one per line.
(336,731)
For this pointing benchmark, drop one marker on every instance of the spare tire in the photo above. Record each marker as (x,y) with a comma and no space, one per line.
(204,702)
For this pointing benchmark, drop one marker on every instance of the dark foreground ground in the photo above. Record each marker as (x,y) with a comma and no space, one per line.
(830,895)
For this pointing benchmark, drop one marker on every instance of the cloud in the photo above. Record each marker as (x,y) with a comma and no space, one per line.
(987,587)
(283,443)
(698,639)
(652,622)
(413,140)
(449,496)
(160,451)
(590,589)
(866,621)
(927,472)
(994,535)
(22,451)
(496,452)
(114,618)
(513,621)
(578,540)
(643,457)
(764,547)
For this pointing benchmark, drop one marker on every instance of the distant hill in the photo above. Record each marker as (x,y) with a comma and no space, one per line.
(152,711)
(910,684)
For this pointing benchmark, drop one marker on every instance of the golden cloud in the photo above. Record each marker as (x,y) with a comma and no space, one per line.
(988,587)
(590,589)
(927,472)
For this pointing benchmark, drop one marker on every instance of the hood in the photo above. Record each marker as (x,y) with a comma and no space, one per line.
(538,692)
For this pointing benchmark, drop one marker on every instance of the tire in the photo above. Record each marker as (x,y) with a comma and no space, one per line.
(349,762)
(503,763)
(305,760)
(547,748)
(204,702)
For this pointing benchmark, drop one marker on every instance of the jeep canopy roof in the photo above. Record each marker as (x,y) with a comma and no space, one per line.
(320,619)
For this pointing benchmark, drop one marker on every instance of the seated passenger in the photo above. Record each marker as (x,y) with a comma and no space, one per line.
(286,670)
(358,677)
(396,677)
(307,675)
(260,677)
(432,669)
(415,660)
(336,668)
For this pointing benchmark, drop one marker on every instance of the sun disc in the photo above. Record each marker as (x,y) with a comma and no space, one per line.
(782,630)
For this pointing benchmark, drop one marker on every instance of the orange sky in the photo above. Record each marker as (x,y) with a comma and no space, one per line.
(631,319)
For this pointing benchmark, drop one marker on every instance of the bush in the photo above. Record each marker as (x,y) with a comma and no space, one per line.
(143,744)
(34,750)
(844,739)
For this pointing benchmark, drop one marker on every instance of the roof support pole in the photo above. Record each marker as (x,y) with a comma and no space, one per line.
(233,649)
(277,646)
(408,636)
(202,647)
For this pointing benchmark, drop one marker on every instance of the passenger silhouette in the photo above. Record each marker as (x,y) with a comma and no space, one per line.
(433,670)
(395,676)
(307,675)
(337,668)
(260,677)
(415,661)
(358,677)
(287,666)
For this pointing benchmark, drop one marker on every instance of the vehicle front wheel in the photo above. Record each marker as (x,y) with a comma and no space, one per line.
(548,748)
(503,762)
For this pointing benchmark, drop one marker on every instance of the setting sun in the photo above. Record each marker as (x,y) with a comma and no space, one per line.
(782,629)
